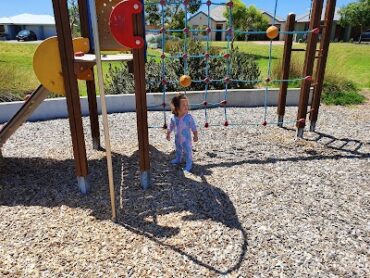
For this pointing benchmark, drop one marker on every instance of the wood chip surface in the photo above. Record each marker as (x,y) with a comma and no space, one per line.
(258,203)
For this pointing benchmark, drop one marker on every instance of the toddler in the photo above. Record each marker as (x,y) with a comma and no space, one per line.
(182,123)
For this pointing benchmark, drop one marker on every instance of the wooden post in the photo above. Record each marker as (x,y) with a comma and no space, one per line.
(321,65)
(90,84)
(72,95)
(285,68)
(141,109)
(308,66)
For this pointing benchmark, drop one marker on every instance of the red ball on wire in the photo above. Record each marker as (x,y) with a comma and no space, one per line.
(206,125)
(226,123)
(302,121)
(230,4)
(316,31)
(264,123)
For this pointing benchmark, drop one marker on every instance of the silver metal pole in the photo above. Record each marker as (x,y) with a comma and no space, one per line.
(94,22)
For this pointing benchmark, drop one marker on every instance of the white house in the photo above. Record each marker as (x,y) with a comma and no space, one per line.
(42,25)
(218,22)
(338,32)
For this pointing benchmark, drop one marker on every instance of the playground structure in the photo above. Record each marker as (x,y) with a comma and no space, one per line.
(120,27)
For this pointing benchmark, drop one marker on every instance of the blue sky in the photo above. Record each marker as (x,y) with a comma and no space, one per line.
(15,7)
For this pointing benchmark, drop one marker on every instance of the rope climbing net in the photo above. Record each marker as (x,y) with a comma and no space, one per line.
(228,78)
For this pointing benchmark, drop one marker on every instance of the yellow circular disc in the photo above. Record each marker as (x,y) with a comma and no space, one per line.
(47,66)
(272,32)
(185,80)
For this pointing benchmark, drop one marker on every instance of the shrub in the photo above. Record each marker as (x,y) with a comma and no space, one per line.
(243,67)
(122,82)
(338,90)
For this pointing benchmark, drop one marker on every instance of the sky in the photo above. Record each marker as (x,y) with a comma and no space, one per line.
(299,7)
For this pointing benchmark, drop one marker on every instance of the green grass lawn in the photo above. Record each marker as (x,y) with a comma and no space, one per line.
(347,59)
(350,60)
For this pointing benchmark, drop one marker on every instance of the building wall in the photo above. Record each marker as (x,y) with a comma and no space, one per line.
(42,31)
(49,31)
(201,21)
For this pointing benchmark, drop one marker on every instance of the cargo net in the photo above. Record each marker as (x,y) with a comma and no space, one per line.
(227,56)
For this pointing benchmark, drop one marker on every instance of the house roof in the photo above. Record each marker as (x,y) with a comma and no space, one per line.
(217,14)
(278,19)
(306,17)
(28,19)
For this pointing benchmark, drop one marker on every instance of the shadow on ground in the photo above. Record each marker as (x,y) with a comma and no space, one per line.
(51,183)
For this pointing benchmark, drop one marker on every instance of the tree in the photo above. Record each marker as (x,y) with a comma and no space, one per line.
(74,18)
(356,14)
(174,14)
(254,20)
(246,19)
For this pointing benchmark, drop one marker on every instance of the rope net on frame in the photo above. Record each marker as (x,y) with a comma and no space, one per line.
(227,79)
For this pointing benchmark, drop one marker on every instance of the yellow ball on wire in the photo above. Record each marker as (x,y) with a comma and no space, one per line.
(185,80)
(272,32)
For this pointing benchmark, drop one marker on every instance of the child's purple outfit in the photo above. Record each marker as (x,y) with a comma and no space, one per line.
(183,127)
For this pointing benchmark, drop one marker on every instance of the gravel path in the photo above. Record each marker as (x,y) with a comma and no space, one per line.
(258,204)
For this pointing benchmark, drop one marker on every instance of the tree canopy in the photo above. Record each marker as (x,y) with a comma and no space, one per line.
(356,14)
(174,14)
(247,18)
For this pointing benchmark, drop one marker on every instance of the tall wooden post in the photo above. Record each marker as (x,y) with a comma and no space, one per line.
(308,65)
(285,68)
(141,105)
(72,95)
(321,65)
(90,84)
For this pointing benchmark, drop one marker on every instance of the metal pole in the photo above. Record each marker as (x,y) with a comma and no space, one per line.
(99,67)
(308,66)
(321,66)
(285,68)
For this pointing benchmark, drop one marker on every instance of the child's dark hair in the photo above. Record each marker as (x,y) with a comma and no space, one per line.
(175,103)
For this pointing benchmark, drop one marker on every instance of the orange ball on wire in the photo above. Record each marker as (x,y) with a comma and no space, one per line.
(272,32)
(185,80)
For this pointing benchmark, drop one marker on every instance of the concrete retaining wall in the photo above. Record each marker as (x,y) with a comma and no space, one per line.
(57,108)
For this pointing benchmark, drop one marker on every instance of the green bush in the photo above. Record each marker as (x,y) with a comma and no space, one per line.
(338,90)
(243,67)
(122,82)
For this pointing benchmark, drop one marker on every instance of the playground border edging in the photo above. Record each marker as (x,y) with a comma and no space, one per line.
(56,108)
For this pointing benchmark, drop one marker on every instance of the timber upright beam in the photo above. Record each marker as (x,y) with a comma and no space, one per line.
(71,88)
(90,84)
(285,68)
(321,66)
(141,105)
(308,65)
